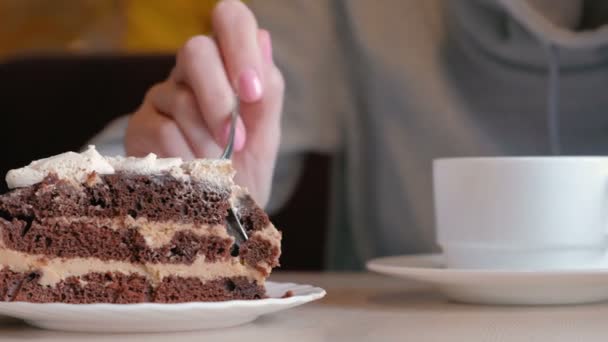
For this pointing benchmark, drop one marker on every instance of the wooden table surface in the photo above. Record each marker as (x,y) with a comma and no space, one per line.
(368,307)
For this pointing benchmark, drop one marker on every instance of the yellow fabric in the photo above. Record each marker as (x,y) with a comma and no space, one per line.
(132,26)
(161,25)
(28,26)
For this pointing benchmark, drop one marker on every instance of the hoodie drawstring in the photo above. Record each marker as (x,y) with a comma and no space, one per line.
(553,98)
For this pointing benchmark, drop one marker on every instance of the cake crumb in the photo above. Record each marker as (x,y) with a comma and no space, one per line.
(92,179)
(288,294)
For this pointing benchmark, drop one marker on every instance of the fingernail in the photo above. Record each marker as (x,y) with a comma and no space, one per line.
(266,45)
(239,134)
(249,86)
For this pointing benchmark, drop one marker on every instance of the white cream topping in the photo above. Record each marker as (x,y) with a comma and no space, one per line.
(54,270)
(149,164)
(77,167)
(69,165)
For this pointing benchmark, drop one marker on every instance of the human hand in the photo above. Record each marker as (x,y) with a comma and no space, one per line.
(187,115)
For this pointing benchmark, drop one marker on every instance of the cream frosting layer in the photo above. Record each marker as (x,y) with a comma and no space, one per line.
(157,234)
(270,234)
(77,167)
(54,270)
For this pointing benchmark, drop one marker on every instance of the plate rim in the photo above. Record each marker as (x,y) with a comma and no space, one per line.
(375,265)
(142,317)
(487,287)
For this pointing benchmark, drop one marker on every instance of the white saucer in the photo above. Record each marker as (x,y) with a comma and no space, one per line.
(150,317)
(499,286)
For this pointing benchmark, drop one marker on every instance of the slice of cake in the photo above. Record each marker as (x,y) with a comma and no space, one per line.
(83,228)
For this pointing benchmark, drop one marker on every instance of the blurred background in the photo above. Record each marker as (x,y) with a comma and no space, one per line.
(68,67)
(30,27)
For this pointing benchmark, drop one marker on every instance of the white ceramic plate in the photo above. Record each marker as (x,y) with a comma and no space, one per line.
(151,317)
(499,286)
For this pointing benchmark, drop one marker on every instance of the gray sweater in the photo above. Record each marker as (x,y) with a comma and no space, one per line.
(387,86)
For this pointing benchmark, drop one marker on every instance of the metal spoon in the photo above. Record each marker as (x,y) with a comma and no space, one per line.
(233,222)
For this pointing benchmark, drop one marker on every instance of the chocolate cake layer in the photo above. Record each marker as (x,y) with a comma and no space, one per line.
(9,283)
(259,252)
(155,197)
(54,270)
(25,230)
(122,289)
(252,217)
(114,196)
(66,239)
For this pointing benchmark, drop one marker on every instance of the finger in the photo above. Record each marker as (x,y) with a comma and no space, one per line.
(199,65)
(236,31)
(256,162)
(264,119)
(263,138)
(179,103)
(150,132)
(265,45)
(240,134)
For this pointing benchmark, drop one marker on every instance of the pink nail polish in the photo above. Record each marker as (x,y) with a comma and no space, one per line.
(249,86)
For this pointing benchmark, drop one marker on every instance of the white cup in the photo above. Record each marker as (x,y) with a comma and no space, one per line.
(522,213)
